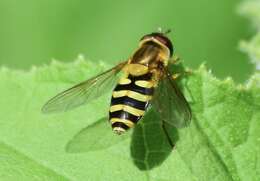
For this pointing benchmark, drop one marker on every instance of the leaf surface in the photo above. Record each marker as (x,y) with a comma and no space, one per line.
(222,142)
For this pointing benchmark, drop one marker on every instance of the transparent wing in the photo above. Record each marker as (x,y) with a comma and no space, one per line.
(83,92)
(97,136)
(170,103)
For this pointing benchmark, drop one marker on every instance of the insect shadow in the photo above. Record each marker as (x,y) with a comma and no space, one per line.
(149,145)
(94,137)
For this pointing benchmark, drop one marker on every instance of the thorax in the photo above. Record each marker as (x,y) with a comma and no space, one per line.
(146,60)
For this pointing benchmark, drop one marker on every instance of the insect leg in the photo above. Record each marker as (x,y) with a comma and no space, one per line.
(187,72)
(175,60)
(175,76)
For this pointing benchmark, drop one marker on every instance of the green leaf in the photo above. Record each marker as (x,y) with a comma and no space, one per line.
(15,165)
(222,142)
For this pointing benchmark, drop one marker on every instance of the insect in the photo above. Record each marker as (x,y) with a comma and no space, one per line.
(146,81)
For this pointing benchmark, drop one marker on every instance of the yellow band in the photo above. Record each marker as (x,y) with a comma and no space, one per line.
(132,94)
(130,124)
(129,109)
(124,81)
(144,83)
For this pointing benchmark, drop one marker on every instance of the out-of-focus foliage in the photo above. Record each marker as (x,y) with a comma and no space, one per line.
(251,9)
(33,32)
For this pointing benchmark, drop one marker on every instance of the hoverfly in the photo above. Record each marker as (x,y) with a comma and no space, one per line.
(146,80)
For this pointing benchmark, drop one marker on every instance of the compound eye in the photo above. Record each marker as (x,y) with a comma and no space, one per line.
(166,41)
(145,36)
(161,38)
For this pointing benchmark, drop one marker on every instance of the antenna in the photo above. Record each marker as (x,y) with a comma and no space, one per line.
(167,31)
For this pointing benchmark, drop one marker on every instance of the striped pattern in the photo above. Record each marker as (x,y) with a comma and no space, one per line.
(129,101)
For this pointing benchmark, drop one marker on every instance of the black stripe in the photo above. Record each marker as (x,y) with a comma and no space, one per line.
(147,76)
(135,88)
(124,115)
(120,124)
(129,102)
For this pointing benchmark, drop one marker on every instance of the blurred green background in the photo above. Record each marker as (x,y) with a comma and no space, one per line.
(33,32)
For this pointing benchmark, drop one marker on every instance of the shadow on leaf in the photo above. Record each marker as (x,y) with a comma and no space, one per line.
(96,136)
(149,145)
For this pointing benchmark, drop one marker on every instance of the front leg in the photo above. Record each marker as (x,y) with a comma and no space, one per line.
(175,60)
(183,73)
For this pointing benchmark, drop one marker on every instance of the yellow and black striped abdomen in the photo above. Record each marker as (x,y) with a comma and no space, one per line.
(129,101)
